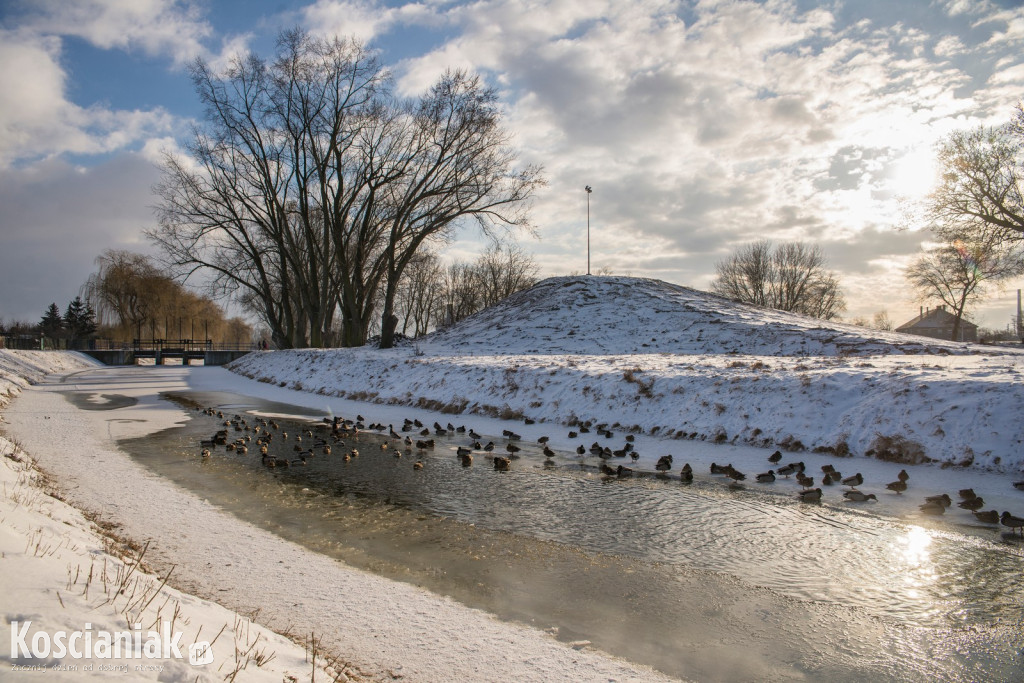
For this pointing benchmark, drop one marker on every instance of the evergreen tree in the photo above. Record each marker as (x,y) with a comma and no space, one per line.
(52,324)
(80,321)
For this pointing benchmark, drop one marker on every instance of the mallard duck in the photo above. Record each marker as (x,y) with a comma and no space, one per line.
(466,459)
(903,476)
(621,471)
(205,453)
(810,496)
(790,468)
(581,450)
(548,453)
(543,440)
(418,465)
(664,463)
(987,517)
(899,486)
(972,504)
(462,450)
(967,494)
(828,469)
(1013,522)
(942,499)
(501,463)
(489,446)
(933,507)
(720,469)
(766,477)
(686,474)
(804,480)
(858,496)
(854,481)
(775,457)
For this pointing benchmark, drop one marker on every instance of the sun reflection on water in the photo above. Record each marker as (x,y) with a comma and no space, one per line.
(913,556)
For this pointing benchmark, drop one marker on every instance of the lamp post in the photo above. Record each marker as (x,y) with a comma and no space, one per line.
(589,190)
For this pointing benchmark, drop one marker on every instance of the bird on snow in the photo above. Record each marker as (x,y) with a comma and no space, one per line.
(766,477)
(810,496)
(898,486)
(858,496)
(854,481)
(664,463)
(972,504)
(1013,522)
(775,457)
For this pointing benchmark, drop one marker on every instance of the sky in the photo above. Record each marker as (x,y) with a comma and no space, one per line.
(700,125)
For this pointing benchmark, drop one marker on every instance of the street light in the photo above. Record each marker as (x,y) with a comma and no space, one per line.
(589,190)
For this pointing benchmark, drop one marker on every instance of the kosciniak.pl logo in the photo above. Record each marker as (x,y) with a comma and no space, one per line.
(28,645)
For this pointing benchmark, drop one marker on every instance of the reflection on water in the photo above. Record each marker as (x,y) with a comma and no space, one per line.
(637,565)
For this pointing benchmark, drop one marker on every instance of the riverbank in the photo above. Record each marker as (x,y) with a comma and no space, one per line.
(380,629)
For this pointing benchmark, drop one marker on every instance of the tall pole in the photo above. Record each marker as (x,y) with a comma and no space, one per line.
(589,190)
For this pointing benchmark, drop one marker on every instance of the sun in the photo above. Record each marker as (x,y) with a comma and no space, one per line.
(914,174)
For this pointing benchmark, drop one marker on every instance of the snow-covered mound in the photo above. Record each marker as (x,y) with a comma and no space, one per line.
(18,369)
(654,358)
(627,315)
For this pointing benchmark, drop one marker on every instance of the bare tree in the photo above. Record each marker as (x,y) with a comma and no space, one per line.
(269,180)
(980,186)
(955,272)
(457,165)
(503,270)
(420,297)
(791,277)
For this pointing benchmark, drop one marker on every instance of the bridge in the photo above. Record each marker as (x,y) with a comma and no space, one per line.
(186,351)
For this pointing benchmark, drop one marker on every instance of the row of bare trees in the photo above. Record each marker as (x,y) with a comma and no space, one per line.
(976,213)
(134,298)
(312,190)
(789,277)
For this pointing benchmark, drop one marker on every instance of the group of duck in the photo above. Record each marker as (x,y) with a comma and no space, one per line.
(338,428)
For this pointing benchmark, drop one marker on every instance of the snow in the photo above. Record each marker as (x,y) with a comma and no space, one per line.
(685,372)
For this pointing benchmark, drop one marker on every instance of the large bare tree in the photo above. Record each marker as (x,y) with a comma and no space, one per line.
(257,200)
(312,187)
(957,271)
(791,277)
(980,183)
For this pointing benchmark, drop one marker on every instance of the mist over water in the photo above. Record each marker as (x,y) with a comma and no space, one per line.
(697,580)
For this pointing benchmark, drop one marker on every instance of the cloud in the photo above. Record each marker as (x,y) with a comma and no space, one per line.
(156,27)
(38,121)
(58,217)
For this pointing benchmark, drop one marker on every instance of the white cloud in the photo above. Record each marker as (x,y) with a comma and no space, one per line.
(157,27)
(36,117)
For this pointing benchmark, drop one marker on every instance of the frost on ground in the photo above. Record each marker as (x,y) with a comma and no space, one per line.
(61,575)
(652,358)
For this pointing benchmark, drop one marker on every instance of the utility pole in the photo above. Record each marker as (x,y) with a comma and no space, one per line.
(589,190)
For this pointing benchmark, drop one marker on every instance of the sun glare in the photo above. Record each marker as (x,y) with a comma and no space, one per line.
(913,174)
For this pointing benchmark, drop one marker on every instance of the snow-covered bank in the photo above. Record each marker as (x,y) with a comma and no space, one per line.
(381,628)
(19,369)
(656,359)
(61,576)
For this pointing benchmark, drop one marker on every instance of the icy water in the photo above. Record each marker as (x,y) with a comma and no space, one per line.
(663,573)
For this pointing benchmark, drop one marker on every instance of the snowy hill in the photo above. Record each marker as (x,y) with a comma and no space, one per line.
(653,358)
(626,315)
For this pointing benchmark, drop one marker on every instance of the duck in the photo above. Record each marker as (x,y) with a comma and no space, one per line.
(581,450)
(899,486)
(810,496)
(462,450)
(967,494)
(854,481)
(828,469)
(418,465)
(1013,522)
(720,469)
(972,504)
(205,453)
(548,453)
(1019,485)
(933,507)
(903,476)
(512,448)
(775,457)
(609,471)
(543,440)
(790,468)
(686,474)
(621,471)
(766,477)
(466,459)
(858,496)
(501,463)
(804,480)
(942,499)
(489,446)
(987,517)
(664,463)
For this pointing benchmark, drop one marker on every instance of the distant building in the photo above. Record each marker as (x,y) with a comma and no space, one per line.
(937,323)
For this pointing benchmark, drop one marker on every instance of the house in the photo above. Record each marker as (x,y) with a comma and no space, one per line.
(937,323)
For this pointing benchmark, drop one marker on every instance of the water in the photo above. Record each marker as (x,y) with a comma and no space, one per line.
(669,574)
